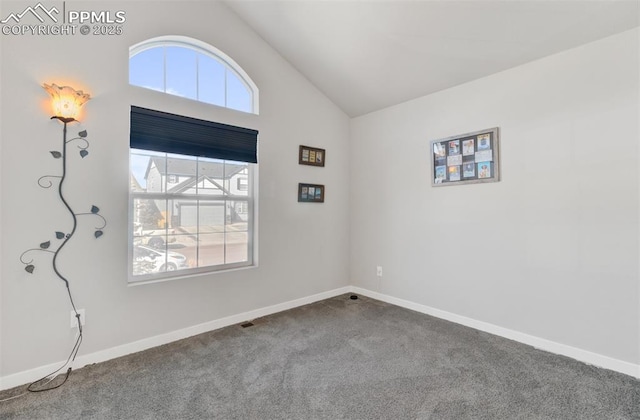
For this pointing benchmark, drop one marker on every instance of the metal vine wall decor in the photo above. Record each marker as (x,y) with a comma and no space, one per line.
(45,182)
(66,103)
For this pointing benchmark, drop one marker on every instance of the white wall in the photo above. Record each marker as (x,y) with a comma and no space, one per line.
(554,245)
(550,251)
(303,248)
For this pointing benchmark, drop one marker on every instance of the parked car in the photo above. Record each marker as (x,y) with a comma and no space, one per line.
(155,242)
(155,238)
(149,260)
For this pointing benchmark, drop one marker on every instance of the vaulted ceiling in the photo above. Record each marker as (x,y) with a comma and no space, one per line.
(371,54)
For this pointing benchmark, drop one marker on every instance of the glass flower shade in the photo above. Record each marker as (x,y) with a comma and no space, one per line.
(66,101)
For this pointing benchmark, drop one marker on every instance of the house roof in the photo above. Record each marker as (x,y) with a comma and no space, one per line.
(192,181)
(186,167)
(135,185)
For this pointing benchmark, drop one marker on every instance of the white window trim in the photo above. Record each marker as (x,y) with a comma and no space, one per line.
(253,203)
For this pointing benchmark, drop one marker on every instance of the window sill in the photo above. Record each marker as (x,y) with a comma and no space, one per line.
(154,280)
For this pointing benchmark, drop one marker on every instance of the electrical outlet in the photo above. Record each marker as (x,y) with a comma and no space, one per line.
(379,271)
(74,320)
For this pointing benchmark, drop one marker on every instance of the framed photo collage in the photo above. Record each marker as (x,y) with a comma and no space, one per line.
(466,159)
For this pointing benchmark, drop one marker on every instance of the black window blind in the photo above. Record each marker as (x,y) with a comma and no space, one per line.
(170,133)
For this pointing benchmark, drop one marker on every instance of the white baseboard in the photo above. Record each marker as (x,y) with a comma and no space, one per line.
(591,358)
(31,375)
(537,342)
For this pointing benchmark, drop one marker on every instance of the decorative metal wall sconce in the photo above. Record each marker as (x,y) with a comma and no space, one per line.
(66,104)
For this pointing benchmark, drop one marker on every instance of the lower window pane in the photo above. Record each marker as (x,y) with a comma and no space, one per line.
(149,222)
(149,214)
(147,260)
(237,216)
(181,249)
(187,227)
(211,249)
(236,247)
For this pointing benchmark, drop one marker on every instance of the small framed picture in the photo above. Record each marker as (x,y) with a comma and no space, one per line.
(310,193)
(311,156)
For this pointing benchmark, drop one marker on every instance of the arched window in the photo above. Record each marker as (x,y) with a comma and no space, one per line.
(190,68)
(191,181)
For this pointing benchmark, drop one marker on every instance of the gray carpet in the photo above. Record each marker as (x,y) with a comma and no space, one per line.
(338,359)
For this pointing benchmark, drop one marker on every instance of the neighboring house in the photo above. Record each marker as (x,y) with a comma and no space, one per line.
(205,180)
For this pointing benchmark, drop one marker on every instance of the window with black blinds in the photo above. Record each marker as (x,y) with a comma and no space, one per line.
(170,133)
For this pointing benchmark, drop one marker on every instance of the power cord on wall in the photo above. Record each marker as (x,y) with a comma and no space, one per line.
(44,384)
(46,380)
